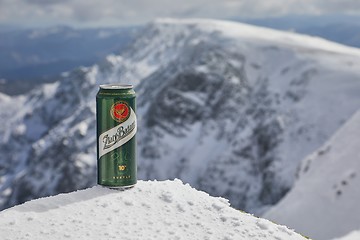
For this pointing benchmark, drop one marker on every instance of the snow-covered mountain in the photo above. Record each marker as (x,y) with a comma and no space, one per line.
(227,107)
(150,210)
(355,235)
(324,202)
(342,29)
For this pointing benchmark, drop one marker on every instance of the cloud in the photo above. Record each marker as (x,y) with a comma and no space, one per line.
(96,12)
(46,2)
(349,6)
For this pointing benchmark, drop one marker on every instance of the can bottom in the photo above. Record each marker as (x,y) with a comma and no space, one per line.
(120,188)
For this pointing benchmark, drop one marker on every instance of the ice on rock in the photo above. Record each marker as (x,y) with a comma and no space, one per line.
(100,213)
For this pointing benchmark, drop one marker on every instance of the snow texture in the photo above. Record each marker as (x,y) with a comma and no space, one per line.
(324,202)
(151,210)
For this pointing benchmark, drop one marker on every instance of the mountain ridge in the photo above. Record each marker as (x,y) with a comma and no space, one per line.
(229,115)
(252,31)
(326,188)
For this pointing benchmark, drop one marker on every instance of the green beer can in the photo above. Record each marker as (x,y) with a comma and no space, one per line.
(116,129)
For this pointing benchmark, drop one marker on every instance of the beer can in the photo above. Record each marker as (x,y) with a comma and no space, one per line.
(116,130)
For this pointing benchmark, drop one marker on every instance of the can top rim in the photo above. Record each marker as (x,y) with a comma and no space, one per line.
(116,86)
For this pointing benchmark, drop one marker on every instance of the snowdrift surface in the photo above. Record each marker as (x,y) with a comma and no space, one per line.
(151,210)
(324,202)
(228,107)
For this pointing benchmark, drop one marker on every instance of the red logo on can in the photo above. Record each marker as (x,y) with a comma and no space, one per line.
(120,111)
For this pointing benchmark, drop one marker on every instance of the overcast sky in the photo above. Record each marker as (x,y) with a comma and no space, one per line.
(124,12)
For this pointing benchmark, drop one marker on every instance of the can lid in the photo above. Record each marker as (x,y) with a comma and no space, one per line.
(116,86)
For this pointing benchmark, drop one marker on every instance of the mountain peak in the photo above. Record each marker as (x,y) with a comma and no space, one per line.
(246,31)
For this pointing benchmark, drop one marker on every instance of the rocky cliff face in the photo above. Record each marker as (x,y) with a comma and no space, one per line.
(227,107)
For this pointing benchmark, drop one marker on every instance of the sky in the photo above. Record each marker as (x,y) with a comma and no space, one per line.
(90,13)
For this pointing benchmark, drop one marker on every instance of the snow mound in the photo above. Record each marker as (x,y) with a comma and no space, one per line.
(151,210)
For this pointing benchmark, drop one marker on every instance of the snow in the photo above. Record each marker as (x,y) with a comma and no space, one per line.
(82,128)
(246,31)
(9,108)
(50,89)
(4,97)
(194,97)
(324,202)
(355,235)
(150,210)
